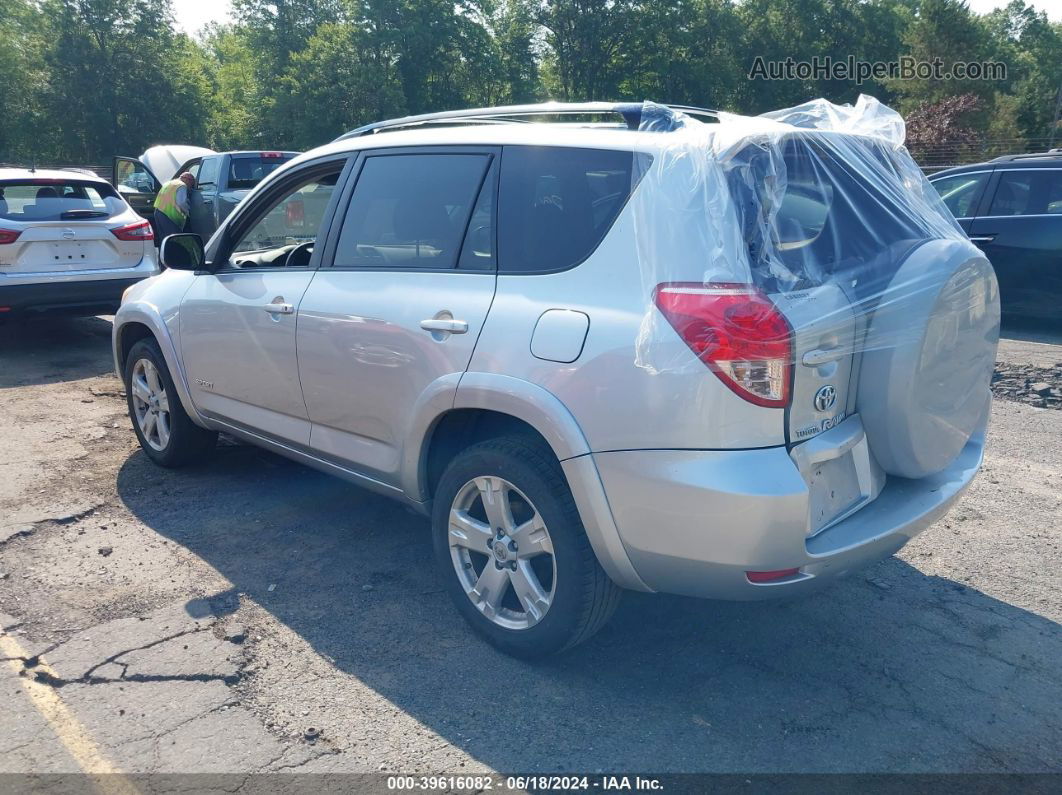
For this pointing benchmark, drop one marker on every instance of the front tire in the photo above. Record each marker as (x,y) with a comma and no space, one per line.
(512,552)
(166,434)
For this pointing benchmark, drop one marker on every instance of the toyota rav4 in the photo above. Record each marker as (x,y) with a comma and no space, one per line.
(621,348)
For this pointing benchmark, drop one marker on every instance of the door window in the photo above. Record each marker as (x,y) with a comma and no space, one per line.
(285,228)
(132,176)
(960,192)
(1028,192)
(208,172)
(411,211)
(556,204)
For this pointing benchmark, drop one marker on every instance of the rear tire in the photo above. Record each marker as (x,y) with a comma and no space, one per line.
(536,587)
(166,434)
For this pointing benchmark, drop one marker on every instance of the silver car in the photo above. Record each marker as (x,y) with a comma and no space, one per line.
(68,243)
(732,360)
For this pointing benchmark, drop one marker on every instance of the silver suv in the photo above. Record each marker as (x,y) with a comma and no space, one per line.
(731,360)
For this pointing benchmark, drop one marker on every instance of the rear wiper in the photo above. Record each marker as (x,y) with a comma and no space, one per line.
(84,214)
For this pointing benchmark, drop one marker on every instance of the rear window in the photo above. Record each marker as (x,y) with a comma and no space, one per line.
(57,200)
(246,171)
(838,213)
(556,204)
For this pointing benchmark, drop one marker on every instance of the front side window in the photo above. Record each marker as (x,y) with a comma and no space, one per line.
(555,204)
(57,200)
(1028,192)
(284,233)
(412,211)
(133,175)
(961,191)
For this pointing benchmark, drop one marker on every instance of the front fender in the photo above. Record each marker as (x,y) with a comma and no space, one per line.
(136,310)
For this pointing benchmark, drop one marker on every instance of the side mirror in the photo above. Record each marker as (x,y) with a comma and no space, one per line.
(183,252)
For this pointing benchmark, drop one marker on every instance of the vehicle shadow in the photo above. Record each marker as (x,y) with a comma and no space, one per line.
(53,349)
(1031,330)
(891,670)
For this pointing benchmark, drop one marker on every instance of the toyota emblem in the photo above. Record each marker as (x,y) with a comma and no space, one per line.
(825,398)
(68,234)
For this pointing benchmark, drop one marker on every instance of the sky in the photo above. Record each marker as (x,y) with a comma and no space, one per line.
(194,14)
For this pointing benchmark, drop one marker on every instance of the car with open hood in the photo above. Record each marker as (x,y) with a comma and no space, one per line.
(222,179)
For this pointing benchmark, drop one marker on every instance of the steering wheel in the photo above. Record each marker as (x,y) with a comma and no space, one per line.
(307,246)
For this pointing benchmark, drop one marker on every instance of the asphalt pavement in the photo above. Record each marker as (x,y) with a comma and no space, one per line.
(254,615)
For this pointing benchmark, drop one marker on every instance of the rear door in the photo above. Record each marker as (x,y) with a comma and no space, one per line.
(394,313)
(136,184)
(1021,234)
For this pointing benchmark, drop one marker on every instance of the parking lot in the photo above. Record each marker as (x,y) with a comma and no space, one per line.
(252,615)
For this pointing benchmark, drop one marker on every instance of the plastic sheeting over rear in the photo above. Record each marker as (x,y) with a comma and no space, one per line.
(805,260)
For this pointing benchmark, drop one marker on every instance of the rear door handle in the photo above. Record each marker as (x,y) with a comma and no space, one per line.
(982,238)
(444,324)
(279,309)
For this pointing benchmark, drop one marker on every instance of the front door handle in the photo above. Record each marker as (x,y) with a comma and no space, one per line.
(279,308)
(982,238)
(444,324)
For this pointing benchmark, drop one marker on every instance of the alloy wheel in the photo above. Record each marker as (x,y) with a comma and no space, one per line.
(502,552)
(150,404)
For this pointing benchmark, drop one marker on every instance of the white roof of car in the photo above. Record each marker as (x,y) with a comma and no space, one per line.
(49,173)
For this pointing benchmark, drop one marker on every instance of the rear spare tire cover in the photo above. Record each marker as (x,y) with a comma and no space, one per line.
(924,386)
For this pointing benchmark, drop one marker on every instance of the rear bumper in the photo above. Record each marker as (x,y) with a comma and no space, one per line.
(694,522)
(87,297)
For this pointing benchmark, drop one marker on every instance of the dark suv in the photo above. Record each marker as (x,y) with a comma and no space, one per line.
(1011,207)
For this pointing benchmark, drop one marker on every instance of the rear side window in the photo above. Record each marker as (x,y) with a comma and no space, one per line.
(1030,192)
(208,171)
(556,204)
(960,193)
(246,171)
(57,200)
(411,211)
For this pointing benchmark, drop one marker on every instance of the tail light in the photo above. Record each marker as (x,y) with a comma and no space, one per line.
(9,236)
(737,332)
(141,230)
(295,214)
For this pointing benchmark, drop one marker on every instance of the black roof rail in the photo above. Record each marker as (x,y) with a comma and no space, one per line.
(631,112)
(1031,156)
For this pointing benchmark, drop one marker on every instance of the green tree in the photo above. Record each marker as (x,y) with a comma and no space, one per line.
(115,79)
(946,30)
(343,79)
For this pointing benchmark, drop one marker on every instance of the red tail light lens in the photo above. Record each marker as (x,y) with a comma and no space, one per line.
(141,230)
(9,236)
(737,332)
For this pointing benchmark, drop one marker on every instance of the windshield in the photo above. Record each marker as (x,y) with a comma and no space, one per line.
(246,171)
(57,200)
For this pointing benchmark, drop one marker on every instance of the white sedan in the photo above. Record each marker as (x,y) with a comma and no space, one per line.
(68,243)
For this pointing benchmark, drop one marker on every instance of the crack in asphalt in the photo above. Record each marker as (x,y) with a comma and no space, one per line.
(88,677)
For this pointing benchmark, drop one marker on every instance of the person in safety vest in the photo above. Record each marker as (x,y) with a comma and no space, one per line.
(171,206)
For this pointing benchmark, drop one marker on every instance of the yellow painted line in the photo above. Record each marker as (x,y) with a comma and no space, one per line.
(71,733)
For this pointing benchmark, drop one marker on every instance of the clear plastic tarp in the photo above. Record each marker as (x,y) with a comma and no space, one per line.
(805,246)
